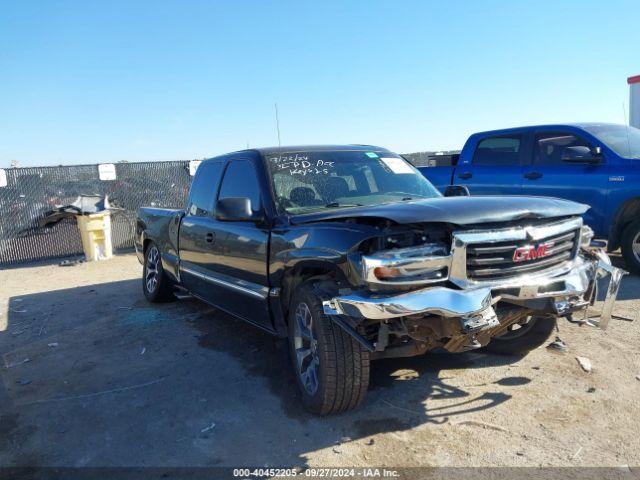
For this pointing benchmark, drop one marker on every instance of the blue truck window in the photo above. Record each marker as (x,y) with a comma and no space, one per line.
(240,180)
(204,189)
(502,150)
(550,146)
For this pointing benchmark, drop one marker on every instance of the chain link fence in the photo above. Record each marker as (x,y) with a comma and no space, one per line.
(30,193)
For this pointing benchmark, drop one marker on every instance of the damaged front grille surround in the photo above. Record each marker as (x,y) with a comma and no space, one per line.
(480,257)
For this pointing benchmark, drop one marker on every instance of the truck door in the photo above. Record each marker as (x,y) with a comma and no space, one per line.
(495,168)
(194,240)
(230,258)
(548,175)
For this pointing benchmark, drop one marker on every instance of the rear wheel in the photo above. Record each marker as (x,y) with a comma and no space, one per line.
(155,284)
(630,245)
(519,339)
(332,369)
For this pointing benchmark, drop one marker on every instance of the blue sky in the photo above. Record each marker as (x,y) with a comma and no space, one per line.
(96,81)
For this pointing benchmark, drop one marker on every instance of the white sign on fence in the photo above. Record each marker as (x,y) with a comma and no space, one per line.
(193,166)
(3,178)
(107,171)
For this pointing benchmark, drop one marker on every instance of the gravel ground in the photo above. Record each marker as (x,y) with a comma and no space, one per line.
(95,376)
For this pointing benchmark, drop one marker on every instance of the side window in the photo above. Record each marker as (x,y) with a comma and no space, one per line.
(503,150)
(203,189)
(549,147)
(240,180)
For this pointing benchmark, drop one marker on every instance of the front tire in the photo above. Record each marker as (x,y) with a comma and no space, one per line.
(331,368)
(156,285)
(630,246)
(521,339)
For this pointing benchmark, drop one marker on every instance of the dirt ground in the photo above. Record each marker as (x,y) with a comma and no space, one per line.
(93,375)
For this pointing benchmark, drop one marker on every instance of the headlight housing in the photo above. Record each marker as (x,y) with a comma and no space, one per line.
(428,263)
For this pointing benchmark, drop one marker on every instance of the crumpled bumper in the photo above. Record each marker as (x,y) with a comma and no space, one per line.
(568,293)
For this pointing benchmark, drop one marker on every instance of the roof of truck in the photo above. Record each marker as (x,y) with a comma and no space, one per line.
(317,148)
(581,125)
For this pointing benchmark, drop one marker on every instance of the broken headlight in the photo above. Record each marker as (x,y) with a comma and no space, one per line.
(427,263)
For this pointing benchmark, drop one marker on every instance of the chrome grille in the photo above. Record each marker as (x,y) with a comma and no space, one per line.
(496,260)
(497,255)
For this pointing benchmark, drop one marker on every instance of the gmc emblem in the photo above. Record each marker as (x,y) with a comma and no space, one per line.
(524,254)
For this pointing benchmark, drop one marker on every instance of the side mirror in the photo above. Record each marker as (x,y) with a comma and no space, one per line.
(456,191)
(234,209)
(581,154)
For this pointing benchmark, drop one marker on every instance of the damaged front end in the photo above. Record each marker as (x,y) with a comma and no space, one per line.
(457,295)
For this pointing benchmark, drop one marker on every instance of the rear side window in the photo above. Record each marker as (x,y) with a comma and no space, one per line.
(549,147)
(502,150)
(203,190)
(240,180)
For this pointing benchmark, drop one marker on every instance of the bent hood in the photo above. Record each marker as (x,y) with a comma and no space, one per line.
(457,210)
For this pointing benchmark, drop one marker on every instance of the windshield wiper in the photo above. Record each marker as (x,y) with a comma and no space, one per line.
(338,204)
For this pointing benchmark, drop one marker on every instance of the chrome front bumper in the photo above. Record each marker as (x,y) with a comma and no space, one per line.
(567,292)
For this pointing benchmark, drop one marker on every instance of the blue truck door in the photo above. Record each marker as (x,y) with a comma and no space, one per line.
(494,167)
(548,175)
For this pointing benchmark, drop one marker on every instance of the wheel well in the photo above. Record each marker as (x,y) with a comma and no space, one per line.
(145,245)
(627,213)
(298,275)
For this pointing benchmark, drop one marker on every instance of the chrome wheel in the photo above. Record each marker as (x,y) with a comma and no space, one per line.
(306,349)
(151,269)
(635,246)
(516,330)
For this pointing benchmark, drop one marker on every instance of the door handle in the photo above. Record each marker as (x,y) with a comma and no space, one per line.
(210,237)
(533,175)
(465,175)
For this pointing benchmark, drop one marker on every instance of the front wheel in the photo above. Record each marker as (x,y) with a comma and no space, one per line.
(519,339)
(331,368)
(155,284)
(630,245)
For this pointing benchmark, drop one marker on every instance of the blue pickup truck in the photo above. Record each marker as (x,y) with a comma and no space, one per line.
(592,163)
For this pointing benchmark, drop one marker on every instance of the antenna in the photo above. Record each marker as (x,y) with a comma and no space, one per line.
(626,126)
(277,124)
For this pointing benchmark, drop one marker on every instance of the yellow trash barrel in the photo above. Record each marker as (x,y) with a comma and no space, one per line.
(95,231)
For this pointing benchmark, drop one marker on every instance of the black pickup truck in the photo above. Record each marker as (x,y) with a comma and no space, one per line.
(353,255)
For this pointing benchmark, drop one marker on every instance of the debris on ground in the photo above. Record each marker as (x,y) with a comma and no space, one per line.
(206,429)
(15,364)
(52,344)
(371,441)
(591,390)
(23,381)
(475,423)
(558,346)
(638,377)
(144,349)
(575,455)
(585,363)
(70,263)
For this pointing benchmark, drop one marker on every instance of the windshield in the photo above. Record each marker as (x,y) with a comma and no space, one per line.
(622,139)
(316,180)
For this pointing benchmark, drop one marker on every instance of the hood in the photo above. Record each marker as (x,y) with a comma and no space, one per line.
(457,210)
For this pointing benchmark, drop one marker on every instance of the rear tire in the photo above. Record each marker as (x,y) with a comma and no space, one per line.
(331,368)
(157,287)
(524,339)
(630,246)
